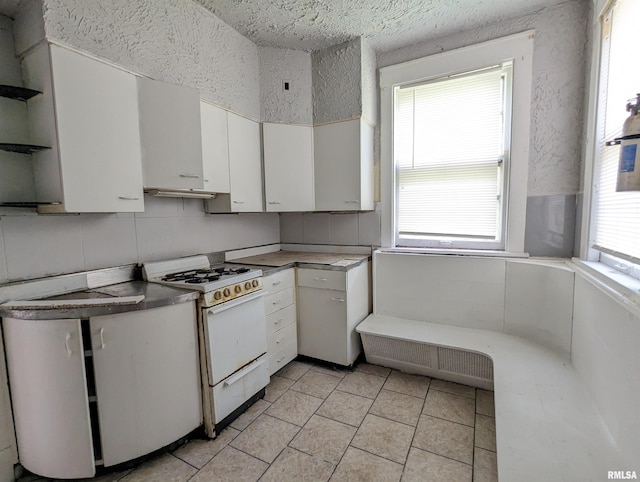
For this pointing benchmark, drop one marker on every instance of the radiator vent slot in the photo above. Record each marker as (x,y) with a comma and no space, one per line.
(400,350)
(446,363)
(465,363)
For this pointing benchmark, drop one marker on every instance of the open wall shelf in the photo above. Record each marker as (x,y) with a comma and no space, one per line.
(17,93)
(21,148)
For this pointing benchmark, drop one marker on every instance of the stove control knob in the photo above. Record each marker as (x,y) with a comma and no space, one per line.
(247,286)
(217,295)
(238,289)
(254,283)
(227,292)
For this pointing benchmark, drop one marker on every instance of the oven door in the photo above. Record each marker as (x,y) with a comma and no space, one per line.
(235,334)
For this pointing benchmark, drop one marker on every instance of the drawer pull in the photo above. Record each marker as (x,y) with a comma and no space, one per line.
(67,339)
(321,279)
(242,373)
(129,198)
(282,358)
(278,341)
(276,302)
(352,201)
(277,322)
(238,202)
(341,300)
(275,202)
(190,176)
(276,283)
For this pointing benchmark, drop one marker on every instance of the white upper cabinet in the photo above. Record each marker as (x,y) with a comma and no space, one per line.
(170,135)
(215,148)
(288,167)
(245,169)
(88,114)
(343,159)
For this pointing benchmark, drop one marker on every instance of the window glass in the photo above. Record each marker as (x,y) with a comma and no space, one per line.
(616,215)
(450,136)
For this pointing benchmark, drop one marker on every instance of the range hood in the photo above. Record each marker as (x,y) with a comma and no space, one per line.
(188,193)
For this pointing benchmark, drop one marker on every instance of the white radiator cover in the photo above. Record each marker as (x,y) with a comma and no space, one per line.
(446,363)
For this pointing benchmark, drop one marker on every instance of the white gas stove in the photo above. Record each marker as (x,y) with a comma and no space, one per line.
(219,283)
(232,330)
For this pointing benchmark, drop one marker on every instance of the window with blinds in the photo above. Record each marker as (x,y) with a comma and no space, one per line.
(450,139)
(616,215)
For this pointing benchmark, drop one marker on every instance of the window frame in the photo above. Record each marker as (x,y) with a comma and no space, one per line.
(517,48)
(626,266)
(468,242)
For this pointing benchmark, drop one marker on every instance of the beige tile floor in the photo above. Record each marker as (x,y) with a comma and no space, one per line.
(321,424)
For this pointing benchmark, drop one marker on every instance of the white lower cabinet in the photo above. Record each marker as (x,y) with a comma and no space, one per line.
(133,376)
(330,306)
(280,311)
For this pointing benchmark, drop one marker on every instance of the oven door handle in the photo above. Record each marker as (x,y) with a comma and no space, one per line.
(243,373)
(233,303)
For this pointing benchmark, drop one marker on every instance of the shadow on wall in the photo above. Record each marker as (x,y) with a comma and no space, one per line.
(550,225)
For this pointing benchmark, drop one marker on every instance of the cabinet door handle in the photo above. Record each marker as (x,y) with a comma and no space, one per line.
(129,198)
(321,279)
(67,339)
(190,176)
(102,338)
(341,300)
(238,202)
(352,201)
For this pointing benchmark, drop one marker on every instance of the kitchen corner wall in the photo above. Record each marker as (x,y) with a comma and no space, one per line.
(171,40)
(293,106)
(559,72)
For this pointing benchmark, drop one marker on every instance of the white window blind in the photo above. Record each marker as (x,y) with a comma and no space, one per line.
(616,214)
(450,137)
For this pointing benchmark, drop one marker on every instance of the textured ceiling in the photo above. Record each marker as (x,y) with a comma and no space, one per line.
(388,24)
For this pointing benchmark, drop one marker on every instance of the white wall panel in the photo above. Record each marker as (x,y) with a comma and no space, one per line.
(539,303)
(441,289)
(606,337)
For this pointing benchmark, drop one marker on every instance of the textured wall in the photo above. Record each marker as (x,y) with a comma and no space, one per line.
(277,105)
(171,40)
(559,64)
(337,82)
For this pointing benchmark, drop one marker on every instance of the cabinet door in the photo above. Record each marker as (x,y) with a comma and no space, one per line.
(147,379)
(98,134)
(46,367)
(343,163)
(170,135)
(245,164)
(215,148)
(288,167)
(322,324)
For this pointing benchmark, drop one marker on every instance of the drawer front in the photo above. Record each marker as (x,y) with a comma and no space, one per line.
(278,281)
(277,301)
(320,278)
(281,318)
(276,341)
(232,392)
(286,351)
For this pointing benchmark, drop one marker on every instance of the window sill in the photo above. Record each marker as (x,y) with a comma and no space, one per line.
(456,252)
(621,287)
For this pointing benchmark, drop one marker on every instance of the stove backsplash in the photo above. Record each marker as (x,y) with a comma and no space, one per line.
(35,246)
